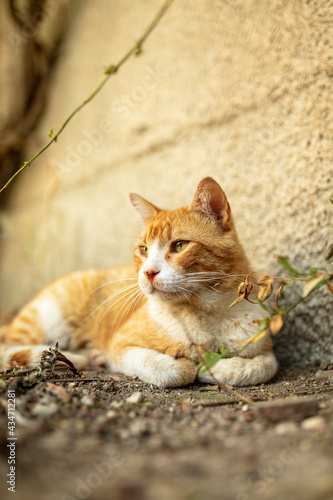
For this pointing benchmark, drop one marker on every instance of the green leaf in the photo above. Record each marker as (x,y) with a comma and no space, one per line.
(288,267)
(224,351)
(211,358)
(313,271)
(265,322)
(313,283)
(51,133)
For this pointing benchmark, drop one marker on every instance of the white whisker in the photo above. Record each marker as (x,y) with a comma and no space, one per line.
(111,283)
(130,302)
(125,289)
(128,295)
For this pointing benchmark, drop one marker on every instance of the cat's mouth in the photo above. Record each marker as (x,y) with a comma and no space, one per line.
(159,290)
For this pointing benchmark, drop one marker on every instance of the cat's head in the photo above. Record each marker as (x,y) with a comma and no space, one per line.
(189,253)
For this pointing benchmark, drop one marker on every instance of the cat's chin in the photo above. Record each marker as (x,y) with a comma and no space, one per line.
(158,293)
(164,295)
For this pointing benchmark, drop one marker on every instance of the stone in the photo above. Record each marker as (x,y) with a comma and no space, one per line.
(41,410)
(112,415)
(87,400)
(315,424)
(135,398)
(286,428)
(324,374)
(116,404)
(325,364)
(60,392)
(288,409)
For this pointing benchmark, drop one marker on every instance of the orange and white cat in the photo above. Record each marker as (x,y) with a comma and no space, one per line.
(147,318)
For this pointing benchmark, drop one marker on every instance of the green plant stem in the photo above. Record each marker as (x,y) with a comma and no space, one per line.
(135,50)
(295,304)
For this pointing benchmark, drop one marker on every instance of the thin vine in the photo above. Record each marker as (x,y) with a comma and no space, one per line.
(111,70)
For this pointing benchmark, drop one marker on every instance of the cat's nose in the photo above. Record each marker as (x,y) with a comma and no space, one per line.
(151,273)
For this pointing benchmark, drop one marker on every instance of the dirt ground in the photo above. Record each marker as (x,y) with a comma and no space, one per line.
(118,438)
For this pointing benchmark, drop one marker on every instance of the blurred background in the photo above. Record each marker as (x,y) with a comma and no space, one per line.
(237,90)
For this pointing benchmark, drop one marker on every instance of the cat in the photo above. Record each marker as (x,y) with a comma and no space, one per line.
(147,319)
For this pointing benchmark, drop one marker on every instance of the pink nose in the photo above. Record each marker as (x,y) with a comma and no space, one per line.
(151,274)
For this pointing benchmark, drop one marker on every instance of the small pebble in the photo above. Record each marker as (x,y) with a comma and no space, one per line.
(328,374)
(40,410)
(325,364)
(136,397)
(87,400)
(108,386)
(116,404)
(286,428)
(111,415)
(316,424)
(60,392)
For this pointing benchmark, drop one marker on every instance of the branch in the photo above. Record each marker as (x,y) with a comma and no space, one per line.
(273,322)
(135,50)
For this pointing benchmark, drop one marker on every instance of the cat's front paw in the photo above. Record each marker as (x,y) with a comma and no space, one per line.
(157,368)
(187,371)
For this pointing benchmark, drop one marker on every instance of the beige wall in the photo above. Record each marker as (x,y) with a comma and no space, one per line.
(235,90)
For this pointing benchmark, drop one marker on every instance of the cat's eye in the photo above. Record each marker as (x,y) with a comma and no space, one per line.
(144,251)
(179,246)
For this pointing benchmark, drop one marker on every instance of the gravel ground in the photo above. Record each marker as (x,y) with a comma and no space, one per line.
(119,438)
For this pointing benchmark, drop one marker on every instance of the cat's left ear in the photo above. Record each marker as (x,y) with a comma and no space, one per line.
(211,200)
(145,209)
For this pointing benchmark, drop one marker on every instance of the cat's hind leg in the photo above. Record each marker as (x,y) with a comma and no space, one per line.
(239,371)
(29,356)
(38,326)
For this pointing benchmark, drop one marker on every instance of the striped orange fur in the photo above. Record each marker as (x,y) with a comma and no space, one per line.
(146,319)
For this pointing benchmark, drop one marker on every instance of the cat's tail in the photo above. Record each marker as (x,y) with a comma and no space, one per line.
(11,355)
(239,371)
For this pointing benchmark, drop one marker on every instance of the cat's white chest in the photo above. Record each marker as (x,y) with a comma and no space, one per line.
(229,327)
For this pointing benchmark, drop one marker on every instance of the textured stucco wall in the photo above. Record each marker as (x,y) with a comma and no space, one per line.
(226,89)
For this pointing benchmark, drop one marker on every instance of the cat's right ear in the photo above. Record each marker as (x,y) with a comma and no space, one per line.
(145,209)
(211,200)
